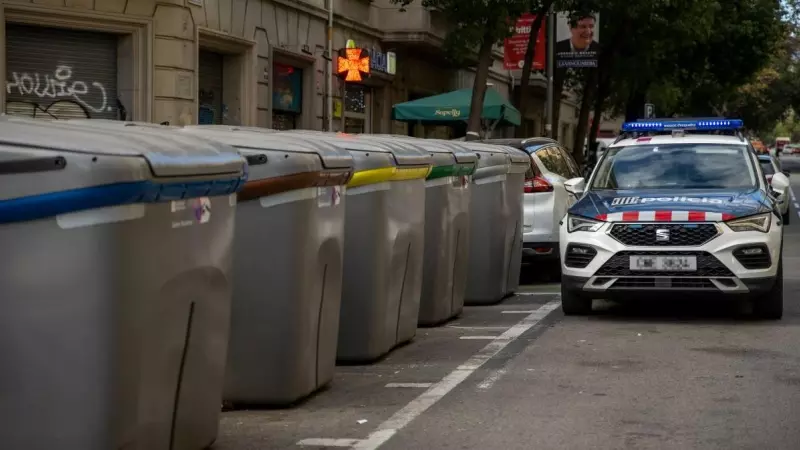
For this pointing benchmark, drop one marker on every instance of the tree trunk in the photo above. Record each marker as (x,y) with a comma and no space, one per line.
(599,105)
(527,65)
(589,88)
(603,89)
(479,86)
(558,89)
(634,110)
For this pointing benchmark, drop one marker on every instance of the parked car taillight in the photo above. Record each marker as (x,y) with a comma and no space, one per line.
(537,184)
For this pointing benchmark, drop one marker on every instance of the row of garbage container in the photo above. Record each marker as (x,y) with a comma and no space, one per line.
(149,271)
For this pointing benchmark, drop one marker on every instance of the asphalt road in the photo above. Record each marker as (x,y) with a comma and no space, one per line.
(520,375)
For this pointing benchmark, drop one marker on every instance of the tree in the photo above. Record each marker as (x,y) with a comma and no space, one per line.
(539,8)
(475,25)
(684,55)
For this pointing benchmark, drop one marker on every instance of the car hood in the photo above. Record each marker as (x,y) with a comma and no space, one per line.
(710,205)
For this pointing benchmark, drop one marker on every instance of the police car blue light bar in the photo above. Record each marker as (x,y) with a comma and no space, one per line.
(683,124)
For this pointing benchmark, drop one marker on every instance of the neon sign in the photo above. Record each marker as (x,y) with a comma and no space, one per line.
(353,64)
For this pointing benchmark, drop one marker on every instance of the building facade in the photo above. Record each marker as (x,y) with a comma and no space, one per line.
(240,62)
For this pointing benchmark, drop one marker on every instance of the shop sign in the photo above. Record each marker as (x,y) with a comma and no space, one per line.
(383,62)
(353,63)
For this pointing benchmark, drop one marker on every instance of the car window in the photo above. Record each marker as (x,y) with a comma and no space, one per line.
(563,165)
(574,170)
(767,167)
(547,159)
(553,161)
(677,166)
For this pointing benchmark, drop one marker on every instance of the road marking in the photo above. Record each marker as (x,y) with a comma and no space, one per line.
(538,293)
(478,327)
(517,312)
(409,385)
(320,442)
(419,405)
(794,199)
(479,338)
(491,379)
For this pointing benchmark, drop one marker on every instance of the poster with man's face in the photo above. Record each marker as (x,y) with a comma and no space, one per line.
(577,40)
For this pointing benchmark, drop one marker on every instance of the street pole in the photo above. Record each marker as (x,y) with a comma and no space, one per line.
(329,78)
(551,34)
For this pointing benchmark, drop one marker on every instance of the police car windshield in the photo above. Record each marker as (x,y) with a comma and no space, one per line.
(676,166)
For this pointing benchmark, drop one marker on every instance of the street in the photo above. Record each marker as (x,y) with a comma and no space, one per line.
(519,375)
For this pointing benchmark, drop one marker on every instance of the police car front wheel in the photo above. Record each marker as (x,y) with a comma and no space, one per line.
(574,303)
(769,305)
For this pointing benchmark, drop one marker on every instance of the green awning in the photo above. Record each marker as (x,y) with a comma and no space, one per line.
(454,107)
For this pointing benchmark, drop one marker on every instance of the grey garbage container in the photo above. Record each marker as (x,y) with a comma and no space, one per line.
(515,190)
(115,281)
(384,238)
(287,264)
(447,203)
(490,245)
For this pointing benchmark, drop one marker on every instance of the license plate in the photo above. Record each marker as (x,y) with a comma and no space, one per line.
(664,263)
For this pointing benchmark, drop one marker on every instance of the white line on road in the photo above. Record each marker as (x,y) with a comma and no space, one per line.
(419,405)
(794,199)
(479,338)
(321,442)
(478,327)
(409,385)
(491,379)
(517,312)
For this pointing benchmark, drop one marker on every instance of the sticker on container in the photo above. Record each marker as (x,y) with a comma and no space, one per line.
(329,196)
(202,209)
(461,181)
(178,205)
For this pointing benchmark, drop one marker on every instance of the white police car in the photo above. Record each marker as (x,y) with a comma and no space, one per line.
(675,207)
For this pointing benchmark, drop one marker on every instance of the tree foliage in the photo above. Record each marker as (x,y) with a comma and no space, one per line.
(475,25)
(689,57)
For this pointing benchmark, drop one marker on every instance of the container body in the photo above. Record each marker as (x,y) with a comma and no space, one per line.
(447,228)
(384,237)
(116,326)
(288,285)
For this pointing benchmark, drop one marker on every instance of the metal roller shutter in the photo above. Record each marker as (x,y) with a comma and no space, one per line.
(210,94)
(58,73)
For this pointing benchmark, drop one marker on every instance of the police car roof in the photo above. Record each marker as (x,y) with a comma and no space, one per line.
(688,138)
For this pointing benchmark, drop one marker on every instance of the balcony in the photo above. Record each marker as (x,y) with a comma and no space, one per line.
(415,26)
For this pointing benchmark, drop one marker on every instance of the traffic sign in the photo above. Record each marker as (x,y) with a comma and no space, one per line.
(649,110)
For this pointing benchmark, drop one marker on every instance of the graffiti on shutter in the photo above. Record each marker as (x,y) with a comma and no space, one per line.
(55,73)
(56,95)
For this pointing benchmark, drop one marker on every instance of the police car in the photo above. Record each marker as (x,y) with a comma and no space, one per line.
(675,207)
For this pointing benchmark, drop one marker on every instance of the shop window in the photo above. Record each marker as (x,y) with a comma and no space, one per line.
(357,108)
(287,96)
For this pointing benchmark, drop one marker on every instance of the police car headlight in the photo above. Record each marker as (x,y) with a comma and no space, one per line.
(578,223)
(760,222)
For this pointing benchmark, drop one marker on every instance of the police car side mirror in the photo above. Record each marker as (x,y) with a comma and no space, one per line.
(575,186)
(780,183)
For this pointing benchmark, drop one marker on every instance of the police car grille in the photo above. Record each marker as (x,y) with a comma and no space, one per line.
(662,282)
(707,265)
(679,235)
